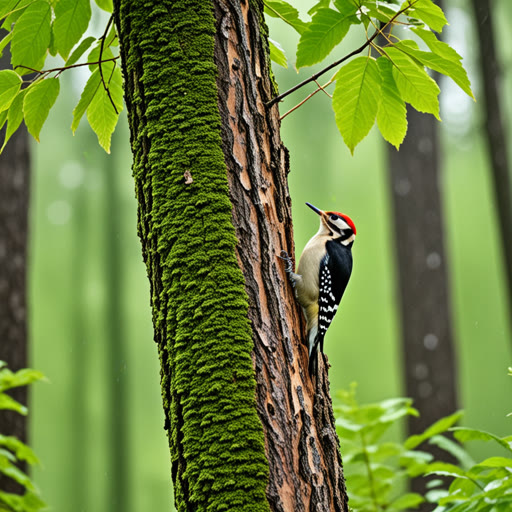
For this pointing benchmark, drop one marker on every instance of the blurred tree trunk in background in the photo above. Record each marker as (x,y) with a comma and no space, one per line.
(495,131)
(428,347)
(196,88)
(14,205)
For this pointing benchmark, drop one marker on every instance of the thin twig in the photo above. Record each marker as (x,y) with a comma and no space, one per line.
(63,68)
(315,76)
(320,88)
(103,37)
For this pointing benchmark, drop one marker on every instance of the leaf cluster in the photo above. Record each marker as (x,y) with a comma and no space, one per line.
(377,469)
(12,450)
(377,86)
(38,28)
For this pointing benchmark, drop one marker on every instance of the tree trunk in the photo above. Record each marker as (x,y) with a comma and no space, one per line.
(207,157)
(495,131)
(14,201)
(427,337)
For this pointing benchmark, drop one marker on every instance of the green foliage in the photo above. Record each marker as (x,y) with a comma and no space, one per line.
(376,469)
(12,450)
(379,88)
(42,27)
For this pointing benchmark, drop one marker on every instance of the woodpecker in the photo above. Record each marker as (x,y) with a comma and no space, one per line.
(322,276)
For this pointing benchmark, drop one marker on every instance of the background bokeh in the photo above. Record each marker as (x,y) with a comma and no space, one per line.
(91,330)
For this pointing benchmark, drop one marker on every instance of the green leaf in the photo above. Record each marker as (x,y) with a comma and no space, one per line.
(286,12)
(356,99)
(92,85)
(10,84)
(106,5)
(80,50)
(71,21)
(413,82)
(408,500)
(14,119)
(39,99)
(438,427)
(12,10)
(464,435)
(3,118)
(23,377)
(5,41)
(444,468)
(94,56)
(31,37)
(101,113)
(496,462)
(433,61)
(326,30)
(392,114)
(438,47)
(8,403)
(454,449)
(277,53)
(20,449)
(429,13)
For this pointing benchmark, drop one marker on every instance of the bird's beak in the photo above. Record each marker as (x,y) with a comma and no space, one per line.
(315,209)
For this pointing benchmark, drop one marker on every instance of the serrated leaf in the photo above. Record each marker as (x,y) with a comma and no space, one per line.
(31,37)
(14,119)
(286,12)
(106,5)
(438,427)
(356,99)
(326,30)
(277,53)
(464,435)
(429,13)
(80,50)
(10,84)
(392,113)
(413,82)
(450,68)
(101,113)
(39,99)
(71,21)
(439,47)
(92,85)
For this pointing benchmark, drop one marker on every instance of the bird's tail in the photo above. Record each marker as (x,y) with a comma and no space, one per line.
(313,341)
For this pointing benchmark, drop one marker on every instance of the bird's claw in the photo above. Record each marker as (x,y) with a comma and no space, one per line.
(289,264)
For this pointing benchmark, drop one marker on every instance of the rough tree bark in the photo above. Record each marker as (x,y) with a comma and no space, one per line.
(207,157)
(427,337)
(495,131)
(14,203)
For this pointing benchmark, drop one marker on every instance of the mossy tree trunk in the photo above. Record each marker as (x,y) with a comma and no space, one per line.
(247,428)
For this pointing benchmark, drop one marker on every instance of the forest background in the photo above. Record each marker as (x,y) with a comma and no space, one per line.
(90,319)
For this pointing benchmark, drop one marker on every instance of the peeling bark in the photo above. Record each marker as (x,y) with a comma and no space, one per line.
(301,442)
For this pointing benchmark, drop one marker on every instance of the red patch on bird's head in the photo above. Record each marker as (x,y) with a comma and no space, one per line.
(346,218)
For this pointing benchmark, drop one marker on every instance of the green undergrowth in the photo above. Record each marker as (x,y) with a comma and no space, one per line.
(13,451)
(378,471)
(199,301)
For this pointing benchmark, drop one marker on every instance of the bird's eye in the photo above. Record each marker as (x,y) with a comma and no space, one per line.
(334,217)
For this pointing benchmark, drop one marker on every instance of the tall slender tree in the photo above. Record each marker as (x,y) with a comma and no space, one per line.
(14,209)
(491,77)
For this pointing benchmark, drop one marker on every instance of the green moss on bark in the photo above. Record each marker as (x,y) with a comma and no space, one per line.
(198,297)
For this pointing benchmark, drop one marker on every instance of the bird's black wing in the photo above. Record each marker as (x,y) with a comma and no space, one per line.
(335,270)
